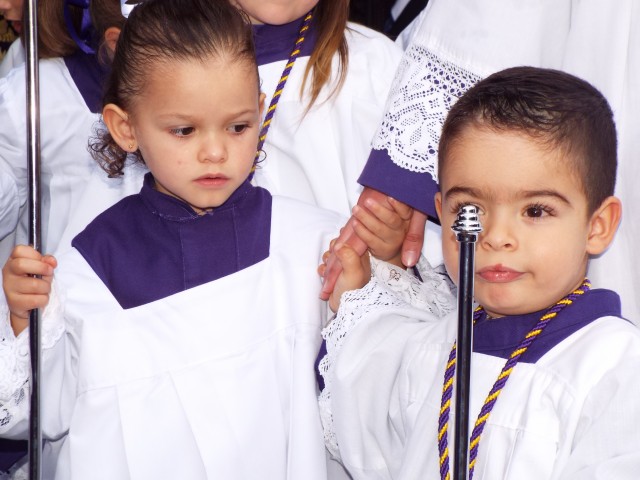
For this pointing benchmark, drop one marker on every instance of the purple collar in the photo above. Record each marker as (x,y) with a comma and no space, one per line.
(275,42)
(90,76)
(151,245)
(499,337)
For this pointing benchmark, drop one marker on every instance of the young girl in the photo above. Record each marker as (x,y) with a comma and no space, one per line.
(331,101)
(11,51)
(70,99)
(554,382)
(184,322)
(327,111)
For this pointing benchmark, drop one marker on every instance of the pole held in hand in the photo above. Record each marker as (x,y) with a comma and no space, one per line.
(466,227)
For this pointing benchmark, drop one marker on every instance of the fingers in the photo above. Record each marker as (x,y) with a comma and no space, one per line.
(26,279)
(412,245)
(24,266)
(355,273)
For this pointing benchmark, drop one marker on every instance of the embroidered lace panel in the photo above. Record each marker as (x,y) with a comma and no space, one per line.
(390,287)
(423,91)
(15,369)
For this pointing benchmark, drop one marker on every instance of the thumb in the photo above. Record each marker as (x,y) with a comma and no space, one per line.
(412,245)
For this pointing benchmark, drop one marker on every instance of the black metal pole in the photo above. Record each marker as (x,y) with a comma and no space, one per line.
(467,228)
(33,167)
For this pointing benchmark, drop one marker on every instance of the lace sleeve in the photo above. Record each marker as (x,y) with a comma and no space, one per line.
(15,362)
(390,287)
(425,88)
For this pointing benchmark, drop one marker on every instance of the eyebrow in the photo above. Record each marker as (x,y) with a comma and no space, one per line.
(190,118)
(474,192)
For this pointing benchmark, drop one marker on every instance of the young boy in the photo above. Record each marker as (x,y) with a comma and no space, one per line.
(535,150)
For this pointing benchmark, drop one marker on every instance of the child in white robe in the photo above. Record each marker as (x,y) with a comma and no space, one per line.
(535,151)
(184,322)
(71,88)
(455,43)
(326,116)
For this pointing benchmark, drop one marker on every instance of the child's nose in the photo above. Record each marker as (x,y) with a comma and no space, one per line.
(497,234)
(212,149)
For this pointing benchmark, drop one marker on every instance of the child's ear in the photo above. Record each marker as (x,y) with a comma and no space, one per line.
(111,36)
(119,125)
(603,225)
(261,101)
(438,201)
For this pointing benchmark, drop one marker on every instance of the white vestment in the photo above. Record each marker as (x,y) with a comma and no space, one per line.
(213,382)
(573,414)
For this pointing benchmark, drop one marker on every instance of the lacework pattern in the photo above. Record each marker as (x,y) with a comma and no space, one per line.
(390,287)
(423,91)
(15,369)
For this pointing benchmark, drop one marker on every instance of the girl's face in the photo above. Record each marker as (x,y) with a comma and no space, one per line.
(11,9)
(275,12)
(197,126)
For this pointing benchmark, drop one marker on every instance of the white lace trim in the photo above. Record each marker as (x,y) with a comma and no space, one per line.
(423,91)
(15,368)
(390,287)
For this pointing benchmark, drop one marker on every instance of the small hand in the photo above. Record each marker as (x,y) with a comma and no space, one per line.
(26,280)
(383,227)
(355,271)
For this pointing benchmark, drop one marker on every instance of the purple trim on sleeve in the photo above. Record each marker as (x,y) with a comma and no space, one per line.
(275,42)
(90,77)
(151,245)
(10,452)
(499,337)
(414,189)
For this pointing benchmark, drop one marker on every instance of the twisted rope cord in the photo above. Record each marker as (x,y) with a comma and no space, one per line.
(280,87)
(498,386)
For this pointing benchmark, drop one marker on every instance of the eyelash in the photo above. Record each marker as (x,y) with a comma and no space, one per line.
(458,205)
(541,207)
(177,131)
(243,126)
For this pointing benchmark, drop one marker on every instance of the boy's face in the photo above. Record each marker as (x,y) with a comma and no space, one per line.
(534,246)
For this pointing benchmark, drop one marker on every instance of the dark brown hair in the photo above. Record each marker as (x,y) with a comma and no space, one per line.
(159,31)
(330,22)
(552,107)
(53,37)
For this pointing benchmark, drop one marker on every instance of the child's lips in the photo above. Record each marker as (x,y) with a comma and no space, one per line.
(212,180)
(498,274)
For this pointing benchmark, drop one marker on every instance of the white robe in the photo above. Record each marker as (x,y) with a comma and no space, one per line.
(573,414)
(214,382)
(65,126)
(317,157)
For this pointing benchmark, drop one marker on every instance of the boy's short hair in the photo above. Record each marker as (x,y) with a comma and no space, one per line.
(554,107)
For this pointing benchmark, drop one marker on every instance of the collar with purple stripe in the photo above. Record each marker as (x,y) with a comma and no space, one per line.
(498,337)
(151,245)
(274,42)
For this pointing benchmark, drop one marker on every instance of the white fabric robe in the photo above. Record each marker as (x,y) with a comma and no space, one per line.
(573,414)
(65,126)
(213,382)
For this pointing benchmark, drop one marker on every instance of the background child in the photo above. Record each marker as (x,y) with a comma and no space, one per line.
(181,335)
(331,102)
(535,150)
(71,88)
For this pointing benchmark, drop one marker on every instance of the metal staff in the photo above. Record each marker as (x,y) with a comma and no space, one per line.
(33,167)
(466,227)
